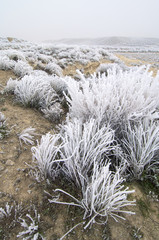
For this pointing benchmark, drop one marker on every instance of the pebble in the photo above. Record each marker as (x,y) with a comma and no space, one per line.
(9,163)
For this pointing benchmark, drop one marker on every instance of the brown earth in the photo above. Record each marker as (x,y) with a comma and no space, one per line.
(17,184)
(137,62)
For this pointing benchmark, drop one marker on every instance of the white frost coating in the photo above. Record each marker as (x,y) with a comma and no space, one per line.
(35,91)
(27,136)
(84,144)
(45,155)
(141,142)
(22,68)
(53,68)
(11,85)
(103,196)
(116,98)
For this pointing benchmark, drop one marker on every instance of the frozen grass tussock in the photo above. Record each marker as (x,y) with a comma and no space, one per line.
(22,68)
(59,85)
(31,227)
(104,68)
(103,196)
(11,85)
(116,98)
(84,144)
(141,143)
(53,68)
(27,136)
(13,54)
(35,91)
(3,126)
(45,155)
(83,152)
(6,63)
(76,147)
(54,112)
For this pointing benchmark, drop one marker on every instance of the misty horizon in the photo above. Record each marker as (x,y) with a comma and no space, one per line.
(37,20)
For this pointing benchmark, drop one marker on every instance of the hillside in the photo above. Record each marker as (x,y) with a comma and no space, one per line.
(70,117)
(112,41)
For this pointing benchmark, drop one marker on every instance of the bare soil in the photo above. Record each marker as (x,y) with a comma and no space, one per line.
(17,185)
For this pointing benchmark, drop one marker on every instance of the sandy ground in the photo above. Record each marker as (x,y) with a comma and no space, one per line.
(17,185)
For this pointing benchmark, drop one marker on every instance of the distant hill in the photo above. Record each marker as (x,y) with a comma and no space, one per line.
(110,41)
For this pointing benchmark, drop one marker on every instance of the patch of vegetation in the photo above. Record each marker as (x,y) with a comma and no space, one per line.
(150,183)
(3,126)
(143,207)
(1,233)
(2,101)
(136,233)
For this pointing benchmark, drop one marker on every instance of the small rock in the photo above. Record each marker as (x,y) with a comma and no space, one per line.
(9,163)
(17,181)
(29,191)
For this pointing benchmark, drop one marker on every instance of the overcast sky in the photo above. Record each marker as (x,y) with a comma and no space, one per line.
(39,20)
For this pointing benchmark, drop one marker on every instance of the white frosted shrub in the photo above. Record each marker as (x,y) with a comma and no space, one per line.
(103,196)
(141,143)
(6,63)
(104,68)
(11,85)
(59,85)
(77,146)
(22,68)
(15,55)
(6,212)
(53,68)
(45,155)
(27,91)
(115,98)
(30,227)
(3,126)
(84,144)
(39,73)
(54,112)
(35,91)
(44,58)
(27,136)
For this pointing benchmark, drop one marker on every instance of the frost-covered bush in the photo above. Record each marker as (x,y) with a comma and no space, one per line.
(84,144)
(77,147)
(11,85)
(53,68)
(103,196)
(35,91)
(11,213)
(6,212)
(54,112)
(31,227)
(27,136)
(45,155)
(6,63)
(44,58)
(115,98)
(15,55)
(39,73)
(22,68)
(59,85)
(141,143)
(3,126)
(105,68)
(106,194)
